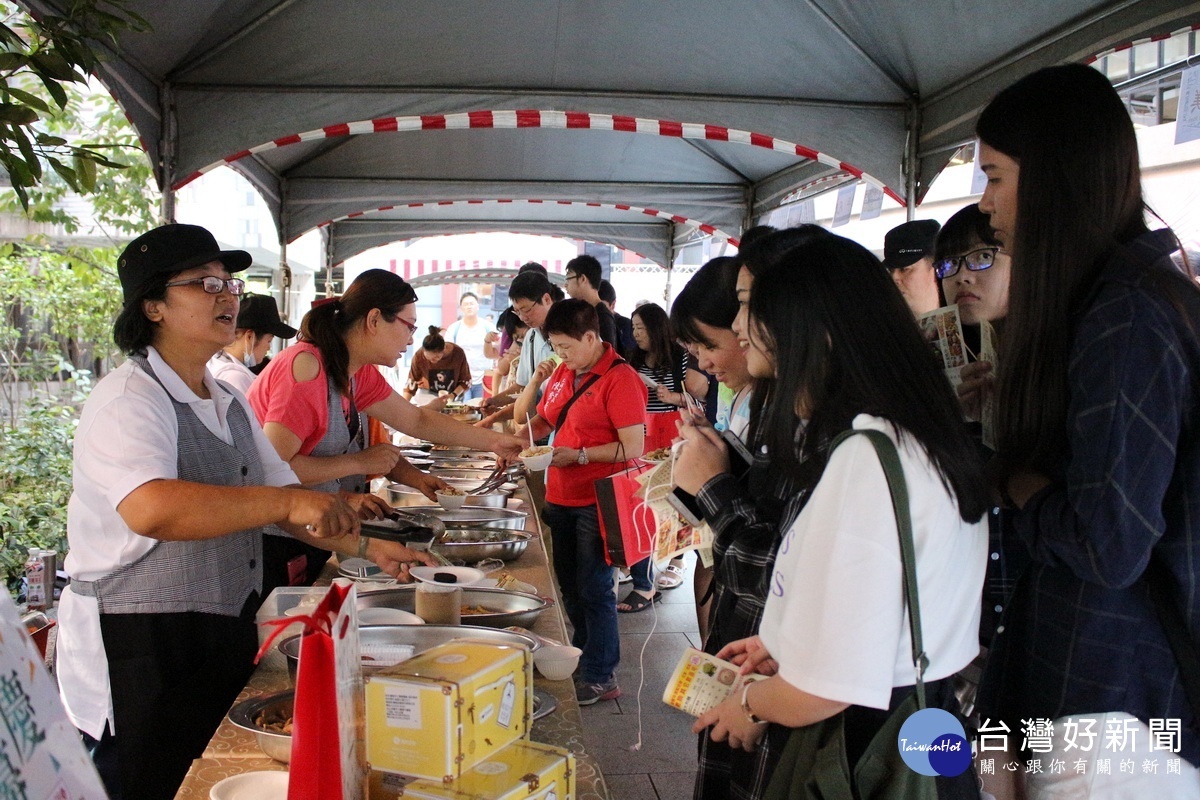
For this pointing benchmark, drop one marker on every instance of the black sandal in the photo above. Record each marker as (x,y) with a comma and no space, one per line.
(637,602)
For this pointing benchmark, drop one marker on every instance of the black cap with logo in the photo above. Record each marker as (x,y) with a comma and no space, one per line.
(259,313)
(909,243)
(172,248)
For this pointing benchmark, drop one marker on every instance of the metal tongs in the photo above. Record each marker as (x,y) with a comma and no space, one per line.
(498,477)
(409,528)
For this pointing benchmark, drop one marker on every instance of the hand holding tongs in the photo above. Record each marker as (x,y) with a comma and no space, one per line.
(498,477)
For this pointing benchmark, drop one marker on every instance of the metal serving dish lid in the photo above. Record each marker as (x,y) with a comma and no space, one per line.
(479,517)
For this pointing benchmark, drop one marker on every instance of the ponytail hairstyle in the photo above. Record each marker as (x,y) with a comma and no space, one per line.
(1079,198)
(434,343)
(328,322)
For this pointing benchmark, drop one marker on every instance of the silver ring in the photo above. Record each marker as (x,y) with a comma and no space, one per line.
(310,528)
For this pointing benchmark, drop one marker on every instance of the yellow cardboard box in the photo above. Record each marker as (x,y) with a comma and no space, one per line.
(441,713)
(524,770)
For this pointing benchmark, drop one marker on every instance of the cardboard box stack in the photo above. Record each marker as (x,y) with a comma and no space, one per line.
(453,724)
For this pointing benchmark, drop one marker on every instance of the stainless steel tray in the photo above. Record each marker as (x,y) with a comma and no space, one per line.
(509,608)
(475,544)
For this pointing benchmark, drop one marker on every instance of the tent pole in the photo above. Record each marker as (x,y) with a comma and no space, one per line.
(329,261)
(912,164)
(166,149)
(285,272)
(670,264)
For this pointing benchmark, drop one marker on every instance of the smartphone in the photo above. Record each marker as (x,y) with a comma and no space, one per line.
(687,505)
(740,458)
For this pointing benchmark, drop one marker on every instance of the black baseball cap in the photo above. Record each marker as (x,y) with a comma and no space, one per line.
(259,313)
(172,248)
(910,242)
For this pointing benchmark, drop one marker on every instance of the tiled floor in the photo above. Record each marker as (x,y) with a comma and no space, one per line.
(664,766)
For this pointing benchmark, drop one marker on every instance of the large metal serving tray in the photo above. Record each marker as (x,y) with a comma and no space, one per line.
(510,608)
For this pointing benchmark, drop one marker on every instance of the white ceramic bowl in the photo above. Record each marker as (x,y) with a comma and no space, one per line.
(451,502)
(538,463)
(557,662)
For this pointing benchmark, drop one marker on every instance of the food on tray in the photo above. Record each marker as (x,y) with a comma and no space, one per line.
(661,454)
(534,452)
(445,577)
(274,721)
(451,491)
(469,611)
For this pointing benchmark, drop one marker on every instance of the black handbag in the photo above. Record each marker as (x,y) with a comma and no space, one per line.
(814,762)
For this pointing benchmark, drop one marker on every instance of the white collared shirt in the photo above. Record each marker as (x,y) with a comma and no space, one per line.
(127,436)
(225,367)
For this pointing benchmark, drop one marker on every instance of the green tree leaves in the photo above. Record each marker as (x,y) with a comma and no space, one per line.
(42,59)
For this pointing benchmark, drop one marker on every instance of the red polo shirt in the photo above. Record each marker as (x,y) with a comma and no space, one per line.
(617,400)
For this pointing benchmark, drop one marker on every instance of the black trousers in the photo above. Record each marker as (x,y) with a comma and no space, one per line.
(173,678)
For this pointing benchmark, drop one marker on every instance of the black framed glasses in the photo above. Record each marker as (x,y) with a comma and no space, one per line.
(974,261)
(213,285)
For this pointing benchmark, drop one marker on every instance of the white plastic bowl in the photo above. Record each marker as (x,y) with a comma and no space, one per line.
(557,662)
(451,502)
(538,463)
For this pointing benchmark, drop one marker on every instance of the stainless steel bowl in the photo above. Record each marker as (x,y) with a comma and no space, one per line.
(475,544)
(402,496)
(420,637)
(509,608)
(476,517)
(463,463)
(459,474)
(276,745)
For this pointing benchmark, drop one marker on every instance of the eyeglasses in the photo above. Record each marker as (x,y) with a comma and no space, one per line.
(213,285)
(570,276)
(526,311)
(974,261)
(412,329)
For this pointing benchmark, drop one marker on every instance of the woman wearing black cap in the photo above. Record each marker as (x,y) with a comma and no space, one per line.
(258,324)
(174,485)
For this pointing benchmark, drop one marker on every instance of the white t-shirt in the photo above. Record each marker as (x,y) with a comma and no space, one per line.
(127,436)
(835,618)
(225,367)
(534,351)
(471,341)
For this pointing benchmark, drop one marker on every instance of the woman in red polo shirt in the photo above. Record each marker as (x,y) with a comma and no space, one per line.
(597,405)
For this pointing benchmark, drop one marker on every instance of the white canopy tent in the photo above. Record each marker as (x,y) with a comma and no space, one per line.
(640,124)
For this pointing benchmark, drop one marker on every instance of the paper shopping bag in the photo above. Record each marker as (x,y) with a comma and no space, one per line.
(326,737)
(626,524)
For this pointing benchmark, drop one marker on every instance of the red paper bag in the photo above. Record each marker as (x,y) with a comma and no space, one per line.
(326,763)
(661,429)
(626,523)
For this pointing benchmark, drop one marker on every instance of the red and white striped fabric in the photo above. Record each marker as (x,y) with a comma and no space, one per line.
(559,120)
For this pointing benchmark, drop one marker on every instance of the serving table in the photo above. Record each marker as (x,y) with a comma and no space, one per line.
(233,751)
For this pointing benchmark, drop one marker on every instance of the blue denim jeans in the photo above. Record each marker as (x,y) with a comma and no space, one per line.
(586,581)
(475,390)
(640,572)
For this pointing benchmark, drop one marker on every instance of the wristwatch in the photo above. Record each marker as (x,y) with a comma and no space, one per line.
(746,705)
(583,459)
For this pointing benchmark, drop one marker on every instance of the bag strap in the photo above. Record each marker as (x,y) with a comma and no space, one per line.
(1158,579)
(562,415)
(894,473)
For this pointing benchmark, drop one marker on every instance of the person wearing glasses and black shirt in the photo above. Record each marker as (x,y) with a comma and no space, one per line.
(583,283)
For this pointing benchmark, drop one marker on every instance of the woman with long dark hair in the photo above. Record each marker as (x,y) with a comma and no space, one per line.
(833,636)
(1097,413)
(663,366)
(312,398)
